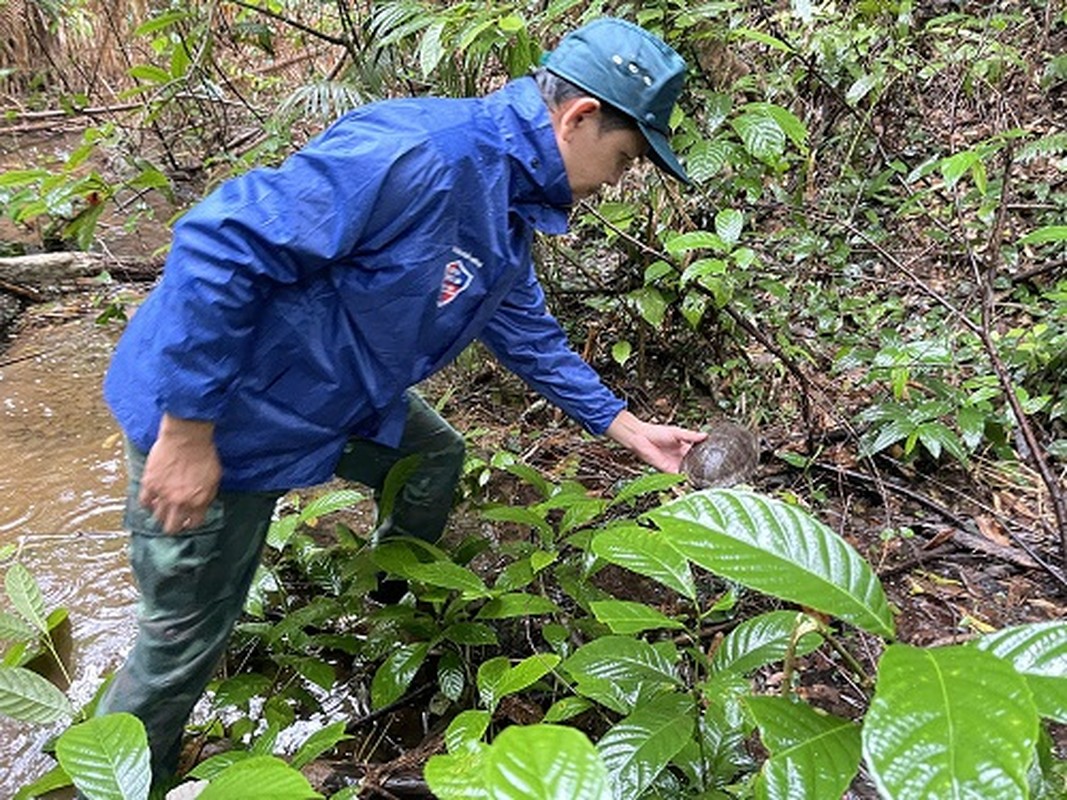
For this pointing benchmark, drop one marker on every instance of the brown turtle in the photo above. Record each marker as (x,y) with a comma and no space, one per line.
(728,456)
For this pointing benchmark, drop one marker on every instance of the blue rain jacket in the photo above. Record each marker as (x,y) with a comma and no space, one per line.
(298,303)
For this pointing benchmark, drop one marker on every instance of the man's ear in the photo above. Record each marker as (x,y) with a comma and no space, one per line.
(571,114)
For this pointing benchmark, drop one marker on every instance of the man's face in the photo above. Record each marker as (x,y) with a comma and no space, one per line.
(592,157)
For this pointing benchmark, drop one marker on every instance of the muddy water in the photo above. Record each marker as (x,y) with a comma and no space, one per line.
(61,485)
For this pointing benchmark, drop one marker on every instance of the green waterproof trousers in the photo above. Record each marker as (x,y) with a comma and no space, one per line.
(193,584)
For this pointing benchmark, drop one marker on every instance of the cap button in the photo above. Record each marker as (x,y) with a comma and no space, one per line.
(650,117)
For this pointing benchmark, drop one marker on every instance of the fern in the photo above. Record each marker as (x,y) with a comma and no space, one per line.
(1051,145)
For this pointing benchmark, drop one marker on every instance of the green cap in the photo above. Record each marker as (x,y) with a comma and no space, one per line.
(633,70)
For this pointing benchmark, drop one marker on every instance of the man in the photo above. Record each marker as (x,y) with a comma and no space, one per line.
(299,305)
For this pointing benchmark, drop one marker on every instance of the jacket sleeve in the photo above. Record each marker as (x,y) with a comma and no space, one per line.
(270,228)
(530,342)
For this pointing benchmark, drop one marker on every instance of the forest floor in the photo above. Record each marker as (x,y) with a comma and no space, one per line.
(959,552)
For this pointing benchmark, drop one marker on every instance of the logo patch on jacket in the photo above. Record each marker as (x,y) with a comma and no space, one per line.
(457,279)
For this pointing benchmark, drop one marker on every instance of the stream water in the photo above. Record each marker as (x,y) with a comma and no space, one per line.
(62,481)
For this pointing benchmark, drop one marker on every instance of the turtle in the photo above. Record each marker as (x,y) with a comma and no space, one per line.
(728,456)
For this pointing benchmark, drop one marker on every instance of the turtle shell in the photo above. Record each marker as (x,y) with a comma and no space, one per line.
(727,456)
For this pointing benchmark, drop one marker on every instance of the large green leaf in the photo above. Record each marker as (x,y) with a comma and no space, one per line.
(396,673)
(497,678)
(545,762)
(777,549)
(107,757)
(761,134)
(763,640)
(624,616)
(637,748)
(458,776)
(621,658)
(953,722)
(516,604)
(259,778)
(318,743)
(1039,653)
(448,576)
(26,696)
(812,754)
(647,553)
(26,596)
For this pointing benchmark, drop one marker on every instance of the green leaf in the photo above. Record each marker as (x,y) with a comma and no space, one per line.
(26,696)
(451,678)
(647,484)
(616,658)
(151,74)
(763,640)
(520,515)
(159,22)
(209,768)
(54,779)
(447,575)
(637,748)
(22,177)
(26,596)
(498,679)
(1049,233)
(1038,652)
(431,49)
(466,729)
(762,136)
(692,240)
(860,88)
(949,722)
(777,549)
(647,553)
(107,757)
(956,166)
(651,305)
(706,159)
(318,743)
(396,673)
(517,604)
(812,754)
(545,762)
(624,616)
(728,225)
(13,629)
(337,500)
(620,352)
(469,633)
(259,778)
(458,776)
(566,708)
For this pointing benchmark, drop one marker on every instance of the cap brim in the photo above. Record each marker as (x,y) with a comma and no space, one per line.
(661,154)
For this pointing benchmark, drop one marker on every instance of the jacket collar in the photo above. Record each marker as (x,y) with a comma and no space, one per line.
(538,184)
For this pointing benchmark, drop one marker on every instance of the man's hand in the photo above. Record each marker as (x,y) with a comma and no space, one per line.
(661,446)
(181,474)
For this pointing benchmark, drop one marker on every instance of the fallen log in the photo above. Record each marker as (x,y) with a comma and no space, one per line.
(44,271)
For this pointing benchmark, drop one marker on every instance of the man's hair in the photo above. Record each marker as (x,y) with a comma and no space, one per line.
(556,90)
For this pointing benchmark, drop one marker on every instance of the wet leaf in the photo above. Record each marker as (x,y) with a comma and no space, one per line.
(1039,653)
(762,640)
(259,778)
(107,757)
(623,616)
(812,754)
(545,762)
(396,673)
(637,748)
(26,696)
(647,553)
(949,722)
(778,549)
(26,597)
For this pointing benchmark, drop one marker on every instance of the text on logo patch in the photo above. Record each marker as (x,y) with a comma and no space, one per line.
(457,278)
